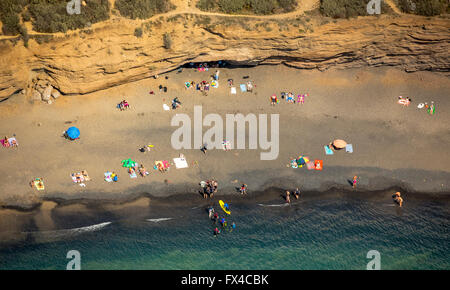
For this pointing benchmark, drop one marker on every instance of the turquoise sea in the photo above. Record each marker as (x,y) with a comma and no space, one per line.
(331,232)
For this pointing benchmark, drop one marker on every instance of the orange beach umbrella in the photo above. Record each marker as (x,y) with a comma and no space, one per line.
(338,143)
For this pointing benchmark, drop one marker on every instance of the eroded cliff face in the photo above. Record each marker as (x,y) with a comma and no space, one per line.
(110,54)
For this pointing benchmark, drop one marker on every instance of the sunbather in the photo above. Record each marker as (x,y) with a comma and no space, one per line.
(5,142)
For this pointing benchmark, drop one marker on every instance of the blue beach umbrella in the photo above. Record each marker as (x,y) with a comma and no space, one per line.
(73,133)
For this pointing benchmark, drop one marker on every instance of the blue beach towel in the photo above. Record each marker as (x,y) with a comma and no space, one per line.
(328,151)
(243,88)
(349,148)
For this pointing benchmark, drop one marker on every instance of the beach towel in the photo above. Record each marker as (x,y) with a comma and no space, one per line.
(243,87)
(108,177)
(349,148)
(215,84)
(166,108)
(39,184)
(5,144)
(166,164)
(75,179)
(180,163)
(310,165)
(85,175)
(133,174)
(12,141)
(233,90)
(294,163)
(318,164)
(328,151)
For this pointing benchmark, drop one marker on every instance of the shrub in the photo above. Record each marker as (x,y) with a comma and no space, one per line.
(138,32)
(259,7)
(424,7)
(347,8)
(9,11)
(142,9)
(167,41)
(263,6)
(51,15)
(24,32)
(207,5)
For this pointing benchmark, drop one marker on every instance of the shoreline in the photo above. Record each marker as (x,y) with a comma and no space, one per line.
(17,224)
(196,199)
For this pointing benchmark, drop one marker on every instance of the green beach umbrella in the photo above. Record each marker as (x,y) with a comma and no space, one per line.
(128,163)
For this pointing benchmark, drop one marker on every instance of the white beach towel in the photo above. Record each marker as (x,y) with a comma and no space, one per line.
(233,90)
(349,148)
(108,177)
(166,108)
(180,163)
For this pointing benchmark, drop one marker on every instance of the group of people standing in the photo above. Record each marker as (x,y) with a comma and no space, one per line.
(296,194)
(214,216)
(209,188)
(123,105)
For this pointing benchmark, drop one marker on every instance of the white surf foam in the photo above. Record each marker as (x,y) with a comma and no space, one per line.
(282,204)
(159,220)
(43,236)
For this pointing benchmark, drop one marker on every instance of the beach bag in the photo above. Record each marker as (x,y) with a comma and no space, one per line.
(318,164)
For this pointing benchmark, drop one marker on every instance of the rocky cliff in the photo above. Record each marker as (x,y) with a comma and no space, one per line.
(109,54)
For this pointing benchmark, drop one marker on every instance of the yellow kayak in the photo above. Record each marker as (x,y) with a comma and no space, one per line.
(222,205)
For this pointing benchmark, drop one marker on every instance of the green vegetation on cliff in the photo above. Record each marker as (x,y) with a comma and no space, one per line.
(142,9)
(9,15)
(51,15)
(259,7)
(347,8)
(424,7)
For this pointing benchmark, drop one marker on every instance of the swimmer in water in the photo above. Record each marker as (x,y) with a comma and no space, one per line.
(233,226)
(216,231)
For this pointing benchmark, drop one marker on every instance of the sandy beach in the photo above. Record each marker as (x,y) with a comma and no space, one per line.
(394,146)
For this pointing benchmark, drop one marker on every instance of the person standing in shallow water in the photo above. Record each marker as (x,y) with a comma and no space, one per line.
(288,198)
(296,193)
(354,181)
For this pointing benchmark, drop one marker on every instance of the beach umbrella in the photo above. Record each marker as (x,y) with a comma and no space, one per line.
(73,133)
(339,144)
(302,160)
(128,163)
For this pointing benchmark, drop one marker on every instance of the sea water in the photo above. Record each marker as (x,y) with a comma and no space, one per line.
(323,233)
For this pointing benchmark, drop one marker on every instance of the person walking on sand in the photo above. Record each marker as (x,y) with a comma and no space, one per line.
(288,199)
(243,188)
(355,180)
(273,100)
(203,149)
